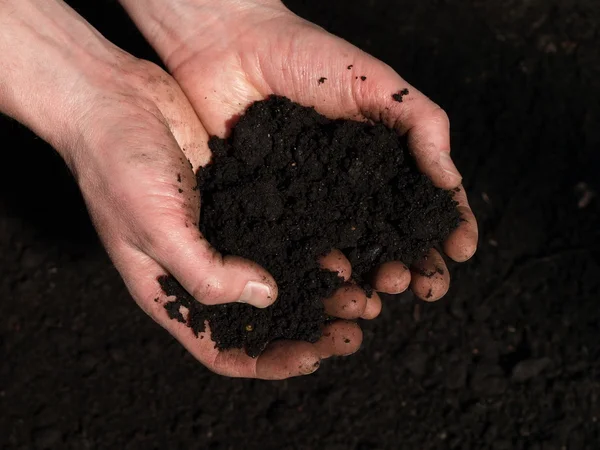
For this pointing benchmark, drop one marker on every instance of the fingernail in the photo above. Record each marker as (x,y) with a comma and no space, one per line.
(448,165)
(257,294)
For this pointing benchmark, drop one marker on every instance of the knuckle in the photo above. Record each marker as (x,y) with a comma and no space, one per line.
(440,117)
(144,73)
(350,310)
(163,236)
(209,291)
(355,303)
(360,303)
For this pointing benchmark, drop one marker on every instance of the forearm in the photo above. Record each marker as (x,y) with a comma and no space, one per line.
(169,24)
(46,49)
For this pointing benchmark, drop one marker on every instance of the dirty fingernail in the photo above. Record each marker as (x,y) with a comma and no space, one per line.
(448,165)
(257,294)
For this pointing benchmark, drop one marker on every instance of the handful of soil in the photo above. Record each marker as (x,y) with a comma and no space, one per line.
(288,186)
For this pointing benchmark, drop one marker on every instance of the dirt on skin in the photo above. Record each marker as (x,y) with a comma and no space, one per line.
(288,186)
(508,360)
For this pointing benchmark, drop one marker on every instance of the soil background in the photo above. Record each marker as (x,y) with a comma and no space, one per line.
(510,359)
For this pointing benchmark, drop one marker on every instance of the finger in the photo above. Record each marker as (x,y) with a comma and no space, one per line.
(391,278)
(173,239)
(373,308)
(286,359)
(462,242)
(280,360)
(165,208)
(390,99)
(340,338)
(140,274)
(336,261)
(430,277)
(209,277)
(348,302)
(429,142)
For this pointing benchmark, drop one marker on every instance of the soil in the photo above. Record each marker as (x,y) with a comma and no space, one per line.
(398,96)
(509,359)
(288,186)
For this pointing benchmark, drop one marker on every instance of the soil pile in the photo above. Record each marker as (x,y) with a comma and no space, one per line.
(288,186)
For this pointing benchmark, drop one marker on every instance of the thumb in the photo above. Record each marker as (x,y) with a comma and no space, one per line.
(172,238)
(208,276)
(143,192)
(171,235)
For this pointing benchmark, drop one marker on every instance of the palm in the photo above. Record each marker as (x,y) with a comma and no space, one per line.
(285,55)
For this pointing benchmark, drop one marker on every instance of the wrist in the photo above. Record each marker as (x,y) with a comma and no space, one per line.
(173,27)
(49,56)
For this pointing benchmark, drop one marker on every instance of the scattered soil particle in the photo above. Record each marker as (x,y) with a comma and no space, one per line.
(350,67)
(288,186)
(399,95)
(363,78)
(322,80)
(425,273)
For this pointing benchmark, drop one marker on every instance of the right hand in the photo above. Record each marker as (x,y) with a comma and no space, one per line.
(273,51)
(133,143)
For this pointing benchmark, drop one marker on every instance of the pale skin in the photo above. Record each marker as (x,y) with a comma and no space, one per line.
(128,131)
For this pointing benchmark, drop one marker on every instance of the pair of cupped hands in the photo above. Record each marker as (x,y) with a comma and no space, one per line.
(133,136)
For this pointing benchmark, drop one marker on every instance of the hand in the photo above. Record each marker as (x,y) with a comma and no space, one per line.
(133,142)
(139,188)
(247,50)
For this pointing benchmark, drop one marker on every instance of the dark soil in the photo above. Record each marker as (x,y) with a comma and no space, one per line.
(288,186)
(508,360)
(399,96)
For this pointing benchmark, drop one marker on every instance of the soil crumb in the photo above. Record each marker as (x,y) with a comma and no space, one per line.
(288,186)
(399,95)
